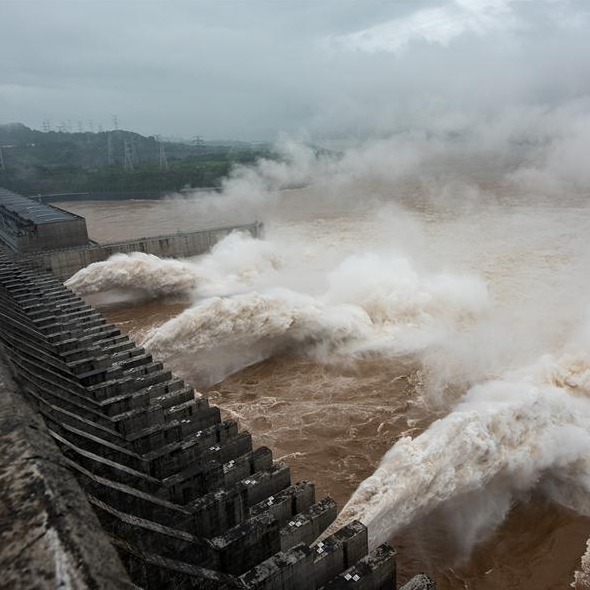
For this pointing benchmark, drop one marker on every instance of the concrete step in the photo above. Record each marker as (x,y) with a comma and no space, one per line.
(287,503)
(308,525)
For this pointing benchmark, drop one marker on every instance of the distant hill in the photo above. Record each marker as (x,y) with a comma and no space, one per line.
(56,161)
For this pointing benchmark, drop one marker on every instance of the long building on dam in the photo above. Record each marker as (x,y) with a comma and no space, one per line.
(27,225)
(116,474)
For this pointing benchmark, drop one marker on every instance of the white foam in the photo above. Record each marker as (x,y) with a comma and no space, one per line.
(137,271)
(232,264)
(505,437)
(582,576)
(372,302)
(252,317)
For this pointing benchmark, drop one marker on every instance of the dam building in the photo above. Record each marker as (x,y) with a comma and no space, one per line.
(117,475)
(27,225)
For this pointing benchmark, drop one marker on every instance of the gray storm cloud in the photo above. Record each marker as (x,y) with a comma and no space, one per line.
(253,69)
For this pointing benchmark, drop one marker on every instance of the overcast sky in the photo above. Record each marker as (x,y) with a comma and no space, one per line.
(253,69)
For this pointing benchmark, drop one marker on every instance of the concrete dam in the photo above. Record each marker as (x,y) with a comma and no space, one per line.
(116,474)
(58,240)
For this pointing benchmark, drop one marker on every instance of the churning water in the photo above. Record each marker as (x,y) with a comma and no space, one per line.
(426,365)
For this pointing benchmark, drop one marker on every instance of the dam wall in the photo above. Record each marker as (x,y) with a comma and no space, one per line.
(57,240)
(123,195)
(45,517)
(64,263)
(179,497)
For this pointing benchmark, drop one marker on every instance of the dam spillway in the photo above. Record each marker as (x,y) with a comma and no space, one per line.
(181,494)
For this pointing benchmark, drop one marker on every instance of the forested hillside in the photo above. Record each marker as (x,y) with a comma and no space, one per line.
(37,162)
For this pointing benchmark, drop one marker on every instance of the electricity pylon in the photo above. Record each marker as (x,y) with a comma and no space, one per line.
(162,151)
(110,152)
(128,165)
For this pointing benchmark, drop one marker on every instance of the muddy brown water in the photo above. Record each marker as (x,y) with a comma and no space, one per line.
(114,221)
(333,423)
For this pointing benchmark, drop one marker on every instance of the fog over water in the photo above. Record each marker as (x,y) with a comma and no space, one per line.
(412,333)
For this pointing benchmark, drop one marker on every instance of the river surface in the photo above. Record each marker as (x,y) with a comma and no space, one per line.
(333,418)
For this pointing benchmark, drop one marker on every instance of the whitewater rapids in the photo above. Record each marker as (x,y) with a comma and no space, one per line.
(371,301)
(232,264)
(504,438)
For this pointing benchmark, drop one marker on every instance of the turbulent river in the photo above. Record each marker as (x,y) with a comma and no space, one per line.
(441,351)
